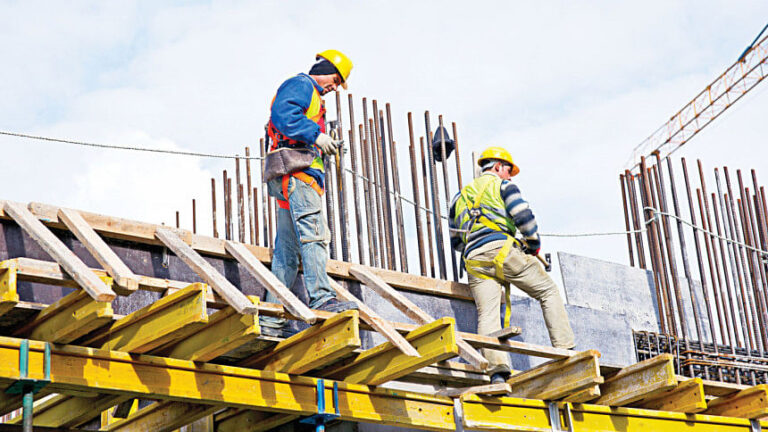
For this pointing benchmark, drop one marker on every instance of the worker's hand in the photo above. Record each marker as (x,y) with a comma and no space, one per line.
(532,246)
(328,145)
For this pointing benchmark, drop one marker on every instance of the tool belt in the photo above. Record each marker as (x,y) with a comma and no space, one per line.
(498,264)
(286,160)
(300,175)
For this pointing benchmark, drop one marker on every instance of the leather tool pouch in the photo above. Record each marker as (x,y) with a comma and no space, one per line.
(286,160)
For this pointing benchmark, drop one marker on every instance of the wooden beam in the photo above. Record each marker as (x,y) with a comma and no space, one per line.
(639,381)
(51,273)
(210,275)
(486,389)
(315,347)
(384,327)
(68,319)
(751,403)
(459,374)
(123,276)
(226,330)
(157,324)
(687,397)
(9,297)
(435,342)
(140,232)
(412,311)
(506,332)
(59,252)
(586,395)
(270,281)
(557,379)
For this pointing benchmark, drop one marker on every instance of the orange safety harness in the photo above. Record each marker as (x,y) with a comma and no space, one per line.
(299,175)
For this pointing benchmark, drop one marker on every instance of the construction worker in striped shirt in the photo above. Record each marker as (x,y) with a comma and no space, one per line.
(484,218)
(297,121)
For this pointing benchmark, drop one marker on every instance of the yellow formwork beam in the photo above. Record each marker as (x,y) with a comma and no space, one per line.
(687,397)
(8,294)
(435,341)
(558,378)
(226,330)
(315,347)
(517,414)
(89,369)
(748,403)
(157,324)
(639,381)
(73,316)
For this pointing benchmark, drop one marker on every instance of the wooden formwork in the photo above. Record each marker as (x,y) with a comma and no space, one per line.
(199,352)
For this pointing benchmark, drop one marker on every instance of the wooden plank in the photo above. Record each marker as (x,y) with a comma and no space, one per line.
(507,332)
(123,276)
(210,275)
(70,318)
(586,395)
(412,311)
(59,252)
(9,297)
(384,327)
(226,330)
(68,411)
(557,379)
(487,390)
(270,281)
(157,324)
(435,342)
(315,347)
(718,389)
(163,416)
(751,403)
(687,397)
(140,232)
(639,381)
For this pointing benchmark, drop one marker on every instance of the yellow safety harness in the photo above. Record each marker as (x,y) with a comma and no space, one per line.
(476,215)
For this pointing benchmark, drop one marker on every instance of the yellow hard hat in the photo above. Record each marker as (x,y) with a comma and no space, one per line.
(499,154)
(343,63)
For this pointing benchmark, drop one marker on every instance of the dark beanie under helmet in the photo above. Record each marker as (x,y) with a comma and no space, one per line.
(323,67)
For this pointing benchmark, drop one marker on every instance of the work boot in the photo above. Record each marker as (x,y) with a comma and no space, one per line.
(499,373)
(277,332)
(499,378)
(333,305)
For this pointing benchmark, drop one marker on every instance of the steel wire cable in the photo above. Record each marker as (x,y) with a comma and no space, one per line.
(394,194)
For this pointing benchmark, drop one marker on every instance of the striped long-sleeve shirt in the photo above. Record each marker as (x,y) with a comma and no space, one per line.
(517,209)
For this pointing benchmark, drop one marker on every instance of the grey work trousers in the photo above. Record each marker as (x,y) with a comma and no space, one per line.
(526,273)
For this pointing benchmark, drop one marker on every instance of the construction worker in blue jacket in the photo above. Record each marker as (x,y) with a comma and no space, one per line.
(297,120)
(484,219)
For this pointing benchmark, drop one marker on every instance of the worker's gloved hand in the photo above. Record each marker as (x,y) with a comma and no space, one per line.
(328,145)
(532,246)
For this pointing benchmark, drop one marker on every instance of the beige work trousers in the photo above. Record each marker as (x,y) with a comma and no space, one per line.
(526,273)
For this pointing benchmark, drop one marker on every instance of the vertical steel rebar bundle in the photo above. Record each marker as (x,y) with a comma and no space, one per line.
(718,326)
(369,198)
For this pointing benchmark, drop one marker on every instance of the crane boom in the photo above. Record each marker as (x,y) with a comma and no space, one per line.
(717,97)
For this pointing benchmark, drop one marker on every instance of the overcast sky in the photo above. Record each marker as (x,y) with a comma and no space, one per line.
(570,88)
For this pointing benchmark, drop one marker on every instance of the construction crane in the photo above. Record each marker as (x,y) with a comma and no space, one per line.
(741,77)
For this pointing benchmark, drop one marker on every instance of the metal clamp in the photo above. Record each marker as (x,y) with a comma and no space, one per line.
(321,418)
(754,426)
(28,385)
(554,417)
